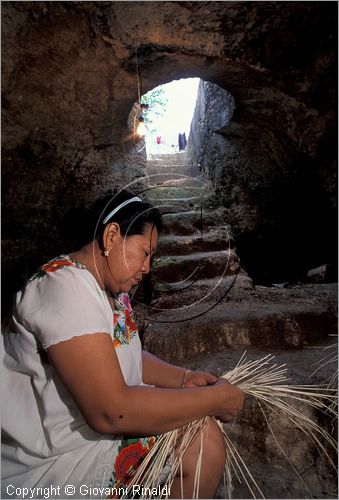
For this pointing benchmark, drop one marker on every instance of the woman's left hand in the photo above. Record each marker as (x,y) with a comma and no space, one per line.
(198,379)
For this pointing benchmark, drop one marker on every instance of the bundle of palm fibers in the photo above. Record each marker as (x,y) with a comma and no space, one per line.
(330,358)
(267,383)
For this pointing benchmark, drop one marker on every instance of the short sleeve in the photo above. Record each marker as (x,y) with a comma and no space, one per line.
(64,304)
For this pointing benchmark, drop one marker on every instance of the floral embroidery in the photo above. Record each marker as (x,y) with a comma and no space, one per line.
(124,300)
(131,453)
(125,328)
(54,265)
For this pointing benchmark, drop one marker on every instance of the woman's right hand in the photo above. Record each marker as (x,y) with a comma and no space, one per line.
(233,400)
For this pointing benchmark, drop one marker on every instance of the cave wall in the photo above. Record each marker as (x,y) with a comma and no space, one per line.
(278,194)
(69,82)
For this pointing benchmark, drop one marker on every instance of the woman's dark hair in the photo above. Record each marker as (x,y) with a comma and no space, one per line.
(85,223)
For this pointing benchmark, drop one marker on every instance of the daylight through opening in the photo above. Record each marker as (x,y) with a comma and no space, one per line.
(168,118)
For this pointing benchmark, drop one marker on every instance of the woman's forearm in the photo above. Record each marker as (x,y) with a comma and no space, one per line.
(148,410)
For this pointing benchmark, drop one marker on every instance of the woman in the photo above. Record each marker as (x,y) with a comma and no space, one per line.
(77,388)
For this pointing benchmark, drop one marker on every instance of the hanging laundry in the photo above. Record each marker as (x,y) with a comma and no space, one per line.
(182,141)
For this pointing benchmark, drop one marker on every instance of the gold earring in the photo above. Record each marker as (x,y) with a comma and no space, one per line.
(107,251)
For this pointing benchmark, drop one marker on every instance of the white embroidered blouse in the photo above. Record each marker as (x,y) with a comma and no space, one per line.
(45,440)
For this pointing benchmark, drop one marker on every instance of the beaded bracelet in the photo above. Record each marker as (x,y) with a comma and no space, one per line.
(184,378)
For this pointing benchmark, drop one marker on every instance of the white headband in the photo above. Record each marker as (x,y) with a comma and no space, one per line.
(123,204)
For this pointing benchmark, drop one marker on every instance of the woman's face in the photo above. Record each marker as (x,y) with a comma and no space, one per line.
(130,259)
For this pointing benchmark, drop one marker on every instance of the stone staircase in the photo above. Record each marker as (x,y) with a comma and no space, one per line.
(169,167)
(196,253)
(205,311)
(197,277)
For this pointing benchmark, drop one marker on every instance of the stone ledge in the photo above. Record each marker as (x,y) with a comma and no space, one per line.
(177,334)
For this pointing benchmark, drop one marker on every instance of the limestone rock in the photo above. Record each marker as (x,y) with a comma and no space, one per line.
(320,274)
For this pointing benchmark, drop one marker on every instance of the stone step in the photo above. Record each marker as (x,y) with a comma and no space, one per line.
(168,181)
(175,199)
(167,164)
(167,290)
(178,268)
(156,176)
(176,157)
(214,327)
(165,296)
(157,180)
(194,221)
(172,167)
(184,179)
(168,199)
(175,206)
(170,296)
(217,239)
(177,190)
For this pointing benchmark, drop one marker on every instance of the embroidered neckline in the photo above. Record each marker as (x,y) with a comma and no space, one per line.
(75,262)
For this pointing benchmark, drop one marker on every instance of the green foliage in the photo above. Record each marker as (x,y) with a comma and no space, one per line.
(157,101)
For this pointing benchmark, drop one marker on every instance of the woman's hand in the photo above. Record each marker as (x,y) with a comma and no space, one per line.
(233,400)
(161,374)
(234,397)
(198,379)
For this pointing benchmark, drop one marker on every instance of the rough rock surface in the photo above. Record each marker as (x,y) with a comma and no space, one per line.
(267,175)
(69,82)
